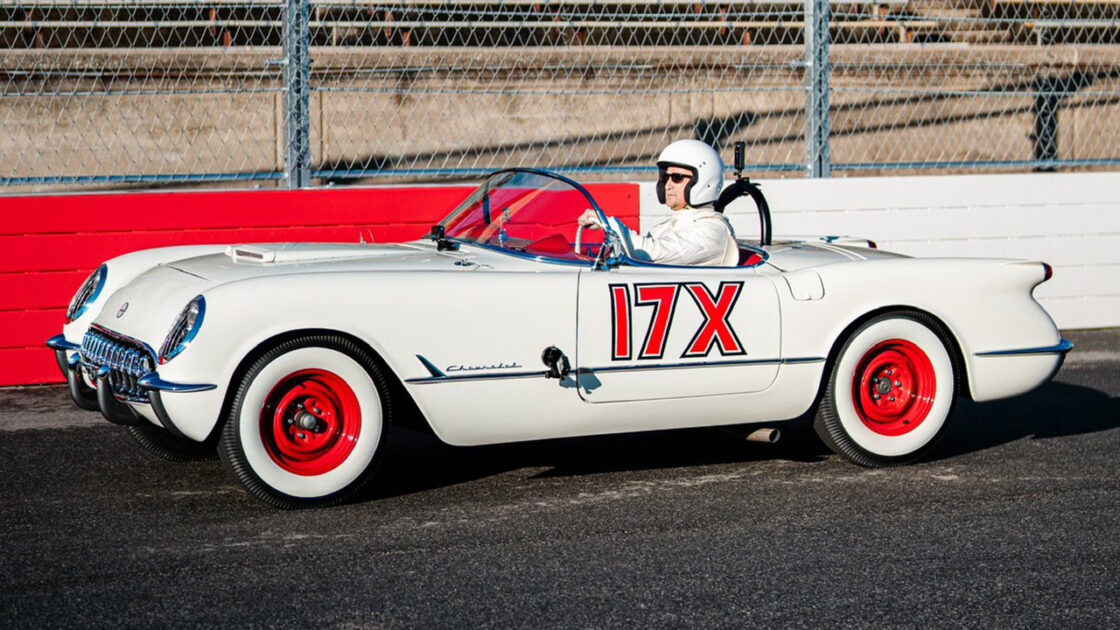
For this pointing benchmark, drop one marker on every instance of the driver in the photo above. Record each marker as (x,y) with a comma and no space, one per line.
(690,178)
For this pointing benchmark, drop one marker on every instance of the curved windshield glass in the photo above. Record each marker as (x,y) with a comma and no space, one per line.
(526,212)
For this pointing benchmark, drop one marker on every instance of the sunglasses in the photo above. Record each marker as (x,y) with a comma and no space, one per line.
(676,178)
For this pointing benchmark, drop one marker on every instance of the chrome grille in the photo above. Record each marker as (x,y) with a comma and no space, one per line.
(126,359)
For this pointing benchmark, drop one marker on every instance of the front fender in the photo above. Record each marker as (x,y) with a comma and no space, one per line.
(399,315)
(122,270)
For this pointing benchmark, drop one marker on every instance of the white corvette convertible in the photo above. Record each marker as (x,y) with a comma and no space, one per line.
(509,323)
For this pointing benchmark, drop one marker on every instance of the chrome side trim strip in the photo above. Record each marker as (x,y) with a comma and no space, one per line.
(1064,346)
(702,364)
(476,377)
(153,381)
(59,342)
(615,368)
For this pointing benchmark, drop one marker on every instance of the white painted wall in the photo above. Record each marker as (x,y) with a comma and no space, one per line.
(1071,221)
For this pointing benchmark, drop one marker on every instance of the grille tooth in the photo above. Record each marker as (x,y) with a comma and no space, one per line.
(126,359)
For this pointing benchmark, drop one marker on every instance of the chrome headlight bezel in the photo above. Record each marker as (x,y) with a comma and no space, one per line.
(89,291)
(184,330)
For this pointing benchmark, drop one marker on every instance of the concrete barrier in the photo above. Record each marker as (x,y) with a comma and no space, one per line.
(1071,221)
(50,243)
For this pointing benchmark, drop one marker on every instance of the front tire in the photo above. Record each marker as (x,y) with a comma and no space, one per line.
(307,423)
(891,392)
(160,442)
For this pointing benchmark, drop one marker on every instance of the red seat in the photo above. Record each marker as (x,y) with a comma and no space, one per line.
(748,257)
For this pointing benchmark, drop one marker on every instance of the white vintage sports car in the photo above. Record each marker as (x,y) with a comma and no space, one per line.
(510,323)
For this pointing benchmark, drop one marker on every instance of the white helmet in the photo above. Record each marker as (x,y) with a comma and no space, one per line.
(706,167)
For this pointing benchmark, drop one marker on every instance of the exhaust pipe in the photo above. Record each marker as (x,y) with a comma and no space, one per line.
(766,435)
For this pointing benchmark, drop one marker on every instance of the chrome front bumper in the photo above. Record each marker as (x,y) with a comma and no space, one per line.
(105,367)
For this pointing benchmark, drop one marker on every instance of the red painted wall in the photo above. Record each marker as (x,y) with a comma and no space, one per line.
(50,243)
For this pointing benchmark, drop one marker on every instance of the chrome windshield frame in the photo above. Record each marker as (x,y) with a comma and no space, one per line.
(609,235)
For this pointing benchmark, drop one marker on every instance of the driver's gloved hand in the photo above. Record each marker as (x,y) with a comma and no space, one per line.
(590,219)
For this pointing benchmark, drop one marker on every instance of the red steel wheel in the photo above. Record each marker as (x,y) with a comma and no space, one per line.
(893,387)
(890,391)
(310,422)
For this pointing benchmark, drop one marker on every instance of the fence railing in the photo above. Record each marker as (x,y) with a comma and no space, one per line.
(294,92)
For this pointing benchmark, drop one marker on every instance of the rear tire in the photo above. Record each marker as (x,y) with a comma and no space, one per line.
(891,391)
(308,423)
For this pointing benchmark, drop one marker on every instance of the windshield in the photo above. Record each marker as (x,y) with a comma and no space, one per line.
(527,212)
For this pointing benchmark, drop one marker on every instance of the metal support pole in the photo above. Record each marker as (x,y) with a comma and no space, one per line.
(1046,104)
(816,88)
(297,93)
(1050,94)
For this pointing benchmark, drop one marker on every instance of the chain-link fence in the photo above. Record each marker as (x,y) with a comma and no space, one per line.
(296,91)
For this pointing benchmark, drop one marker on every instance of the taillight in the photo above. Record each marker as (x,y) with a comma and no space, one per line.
(1047,272)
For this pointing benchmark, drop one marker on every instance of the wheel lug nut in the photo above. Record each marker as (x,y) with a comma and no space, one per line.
(302,436)
(876,396)
(898,383)
(892,398)
(317,410)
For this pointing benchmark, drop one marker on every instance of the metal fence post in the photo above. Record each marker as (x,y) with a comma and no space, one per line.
(297,93)
(817,81)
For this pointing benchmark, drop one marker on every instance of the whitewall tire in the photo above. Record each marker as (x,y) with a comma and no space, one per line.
(891,391)
(307,422)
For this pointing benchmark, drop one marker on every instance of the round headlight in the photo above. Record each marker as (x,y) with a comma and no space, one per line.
(184,329)
(87,293)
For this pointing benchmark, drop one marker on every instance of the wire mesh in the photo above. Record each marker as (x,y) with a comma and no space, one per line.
(112,91)
(107,91)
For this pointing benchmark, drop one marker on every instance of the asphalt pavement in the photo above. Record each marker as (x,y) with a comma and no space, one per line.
(1013,522)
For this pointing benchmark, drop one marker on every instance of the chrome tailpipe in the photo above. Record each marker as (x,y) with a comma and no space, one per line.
(767,435)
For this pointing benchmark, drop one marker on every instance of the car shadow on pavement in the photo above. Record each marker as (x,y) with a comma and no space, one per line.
(418,462)
(1054,410)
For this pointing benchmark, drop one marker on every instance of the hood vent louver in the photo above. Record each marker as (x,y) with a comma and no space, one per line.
(250,254)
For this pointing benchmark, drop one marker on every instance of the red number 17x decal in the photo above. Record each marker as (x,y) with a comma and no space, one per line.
(715,330)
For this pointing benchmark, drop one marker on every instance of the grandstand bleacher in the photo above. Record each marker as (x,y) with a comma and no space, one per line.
(120,24)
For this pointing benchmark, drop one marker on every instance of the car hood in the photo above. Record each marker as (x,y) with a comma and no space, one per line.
(263,259)
(146,307)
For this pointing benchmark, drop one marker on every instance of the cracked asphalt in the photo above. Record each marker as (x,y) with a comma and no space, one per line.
(1012,522)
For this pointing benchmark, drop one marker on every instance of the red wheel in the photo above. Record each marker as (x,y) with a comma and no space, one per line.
(891,391)
(310,422)
(893,387)
(307,423)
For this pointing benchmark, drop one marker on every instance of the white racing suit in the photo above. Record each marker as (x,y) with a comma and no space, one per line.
(692,236)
